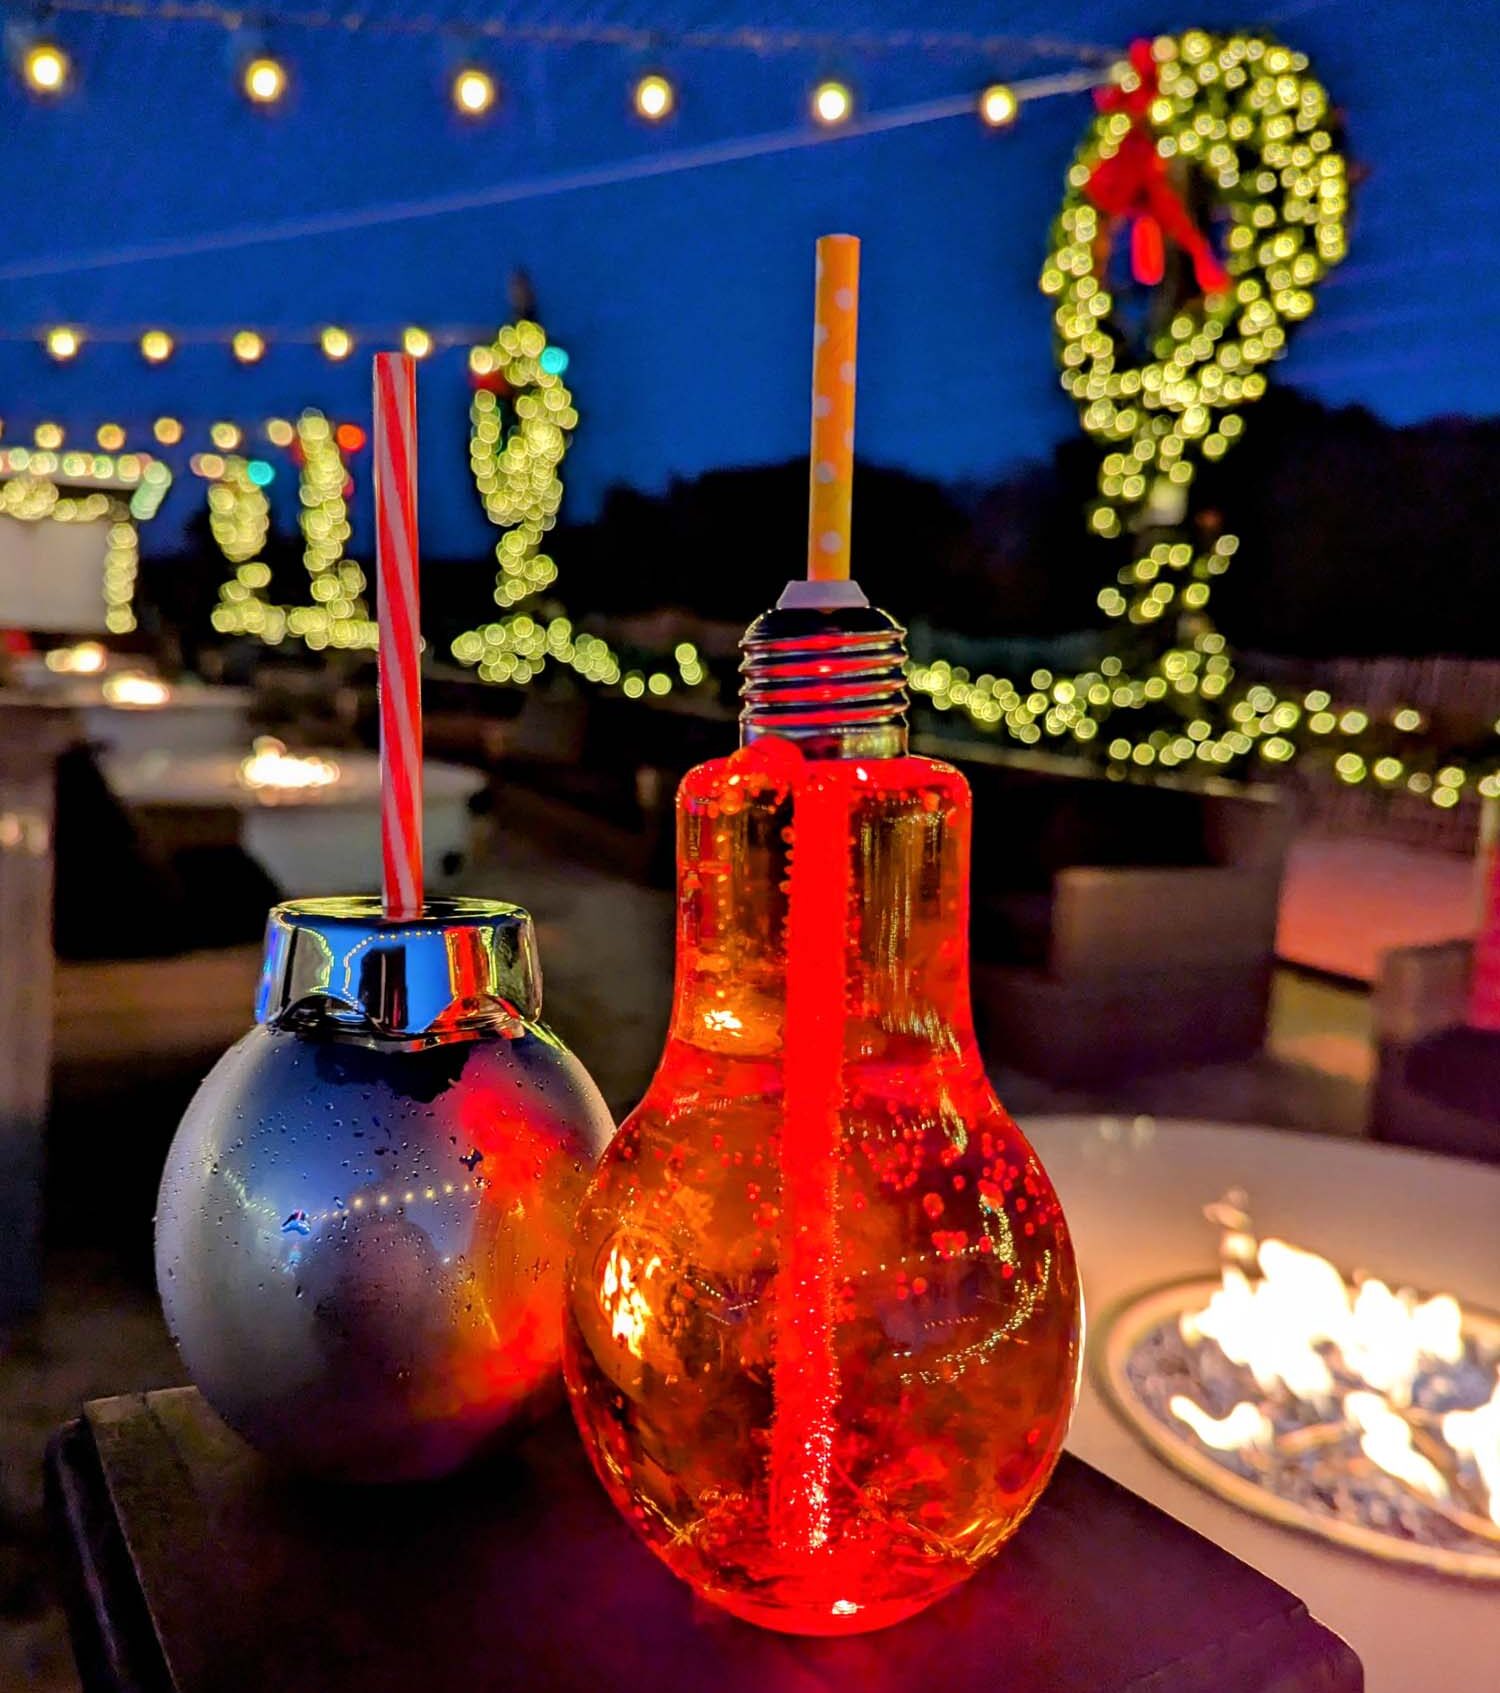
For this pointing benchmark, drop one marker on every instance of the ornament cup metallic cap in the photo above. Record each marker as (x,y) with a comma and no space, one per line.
(826,669)
(440,976)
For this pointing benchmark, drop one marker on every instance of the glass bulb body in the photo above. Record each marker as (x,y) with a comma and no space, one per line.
(824,1325)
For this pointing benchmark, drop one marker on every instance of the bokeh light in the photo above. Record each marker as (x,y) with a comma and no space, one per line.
(249,347)
(167,430)
(46,68)
(655,97)
(832,103)
(63,343)
(264,81)
(998,105)
(415,341)
(474,91)
(336,343)
(156,346)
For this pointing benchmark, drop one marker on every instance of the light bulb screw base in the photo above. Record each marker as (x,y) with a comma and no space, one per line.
(826,669)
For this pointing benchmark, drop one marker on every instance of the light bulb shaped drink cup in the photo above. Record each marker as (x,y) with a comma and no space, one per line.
(364,1217)
(824,1326)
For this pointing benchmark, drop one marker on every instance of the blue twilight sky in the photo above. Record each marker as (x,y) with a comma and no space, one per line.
(684,299)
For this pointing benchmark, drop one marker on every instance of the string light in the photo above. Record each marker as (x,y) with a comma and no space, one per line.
(167,430)
(264,81)
(156,346)
(110,436)
(655,97)
(46,68)
(336,343)
(998,105)
(226,436)
(416,342)
(248,346)
(62,343)
(832,103)
(474,91)
(32,489)
(279,432)
(336,616)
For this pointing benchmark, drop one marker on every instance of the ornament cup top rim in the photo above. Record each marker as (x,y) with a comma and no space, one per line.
(339,963)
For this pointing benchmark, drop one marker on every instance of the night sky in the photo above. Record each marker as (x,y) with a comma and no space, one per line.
(684,300)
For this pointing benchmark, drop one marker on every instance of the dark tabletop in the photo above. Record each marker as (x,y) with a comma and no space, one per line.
(192,1569)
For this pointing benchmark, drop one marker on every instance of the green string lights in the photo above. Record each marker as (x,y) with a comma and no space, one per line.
(521,423)
(124,490)
(239,518)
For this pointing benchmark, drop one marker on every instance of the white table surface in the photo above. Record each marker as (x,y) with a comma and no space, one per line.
(1134,1191)
(308,840)
(165,779)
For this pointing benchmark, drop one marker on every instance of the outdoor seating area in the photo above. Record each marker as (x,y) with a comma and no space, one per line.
(749,897)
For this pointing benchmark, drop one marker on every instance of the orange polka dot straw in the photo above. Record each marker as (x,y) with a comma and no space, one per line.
(835,331)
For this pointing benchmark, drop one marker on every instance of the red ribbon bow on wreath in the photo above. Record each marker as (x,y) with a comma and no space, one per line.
(1133,183)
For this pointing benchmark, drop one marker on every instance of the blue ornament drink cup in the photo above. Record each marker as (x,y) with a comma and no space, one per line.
(365,1214)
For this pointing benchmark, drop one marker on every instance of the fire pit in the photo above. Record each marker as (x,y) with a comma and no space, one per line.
(1367,1415)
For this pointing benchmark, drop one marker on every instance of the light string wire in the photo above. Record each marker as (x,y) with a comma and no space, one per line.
(641,169)
(761,40)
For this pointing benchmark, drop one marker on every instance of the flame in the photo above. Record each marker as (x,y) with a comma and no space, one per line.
(1270,1327)
(270,765)
(1385,1439)
(1246,1424)
(1274,1326)
(623,1302)
(1476,1434)
(86,659)
(1290,1326)
(132,688)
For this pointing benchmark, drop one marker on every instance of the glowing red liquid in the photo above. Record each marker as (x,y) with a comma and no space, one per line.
(823,1316)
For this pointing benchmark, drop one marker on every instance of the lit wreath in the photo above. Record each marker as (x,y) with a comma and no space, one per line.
(1218,158)
(1201,144)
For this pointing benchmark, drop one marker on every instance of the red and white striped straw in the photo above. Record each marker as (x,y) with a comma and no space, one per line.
(400,634)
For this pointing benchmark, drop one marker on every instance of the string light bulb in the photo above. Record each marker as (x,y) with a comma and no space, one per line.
(336,343)
(49,436)
(474,91)
(63,343)
(110,436)
(415,341)
(832,103)
(655,97)
(279,432)
(167,430)
(46,68)
(225,436)
(998,105)
(249,347)
(264,81)
(156,346)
